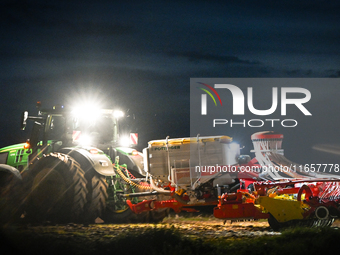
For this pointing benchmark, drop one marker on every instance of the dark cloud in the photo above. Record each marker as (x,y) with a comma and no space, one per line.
(299,73)
(334,73)
(198,57)
(320,7)
(26,13)
(141,54)
(101,29)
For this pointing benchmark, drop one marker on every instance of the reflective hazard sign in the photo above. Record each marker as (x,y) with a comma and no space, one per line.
(134,138)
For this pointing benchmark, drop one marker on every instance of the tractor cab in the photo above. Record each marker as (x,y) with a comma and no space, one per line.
(59,127)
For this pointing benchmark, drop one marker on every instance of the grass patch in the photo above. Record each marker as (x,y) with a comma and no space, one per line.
(292,241)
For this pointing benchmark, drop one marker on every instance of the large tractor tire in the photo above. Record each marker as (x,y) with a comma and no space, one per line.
(56,189)
(96,196)
(10,199)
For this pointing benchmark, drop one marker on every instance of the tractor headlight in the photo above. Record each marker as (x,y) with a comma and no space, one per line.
(124,141)
(118,114)
(85,140)
(86,111)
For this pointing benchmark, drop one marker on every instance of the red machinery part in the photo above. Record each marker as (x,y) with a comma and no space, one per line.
(238,206)
(266,135)
(238,211)
(149,205)
(305,189)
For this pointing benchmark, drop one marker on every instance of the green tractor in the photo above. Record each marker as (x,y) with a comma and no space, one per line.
(73,170)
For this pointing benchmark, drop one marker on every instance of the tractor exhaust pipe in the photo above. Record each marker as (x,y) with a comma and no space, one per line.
(322,213)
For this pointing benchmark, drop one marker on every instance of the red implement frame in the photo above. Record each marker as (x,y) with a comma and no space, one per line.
(149,205)
(238,206)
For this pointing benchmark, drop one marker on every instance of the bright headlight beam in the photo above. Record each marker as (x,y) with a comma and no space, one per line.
(86,110)
(85,140)
(124,141)
(118,114)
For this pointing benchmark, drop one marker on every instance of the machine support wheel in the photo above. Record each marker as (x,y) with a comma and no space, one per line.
(117,210)
(56,189)
(158,215)
(274,224)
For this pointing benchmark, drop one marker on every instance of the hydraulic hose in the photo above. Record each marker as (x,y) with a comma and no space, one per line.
(121,174)
(160,190)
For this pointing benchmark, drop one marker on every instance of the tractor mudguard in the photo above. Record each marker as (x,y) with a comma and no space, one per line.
(91,157)
(11,170)
(133,160)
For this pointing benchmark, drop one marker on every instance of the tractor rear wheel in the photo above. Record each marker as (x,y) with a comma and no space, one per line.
(10,199)
(56,189)
(96,196)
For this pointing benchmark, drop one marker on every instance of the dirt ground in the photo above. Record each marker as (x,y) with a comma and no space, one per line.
(210,227)
(89,235)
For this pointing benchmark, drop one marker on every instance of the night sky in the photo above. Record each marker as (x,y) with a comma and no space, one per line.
(139,56)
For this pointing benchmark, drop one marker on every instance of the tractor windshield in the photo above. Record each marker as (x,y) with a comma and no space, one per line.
(56,128)
(93,131)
